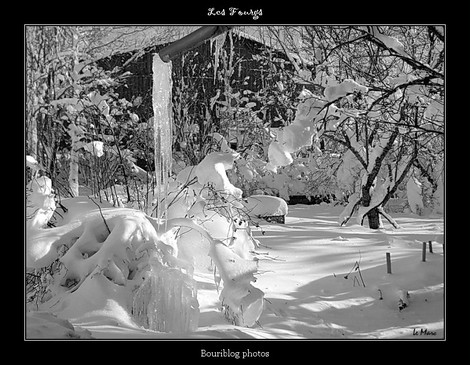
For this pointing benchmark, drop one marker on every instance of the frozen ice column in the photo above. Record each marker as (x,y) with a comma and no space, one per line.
(162,123)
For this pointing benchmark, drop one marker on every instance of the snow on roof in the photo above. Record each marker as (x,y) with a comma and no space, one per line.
(122,40)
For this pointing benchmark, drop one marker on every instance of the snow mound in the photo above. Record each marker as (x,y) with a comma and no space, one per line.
(339,238)
(265,205)
(45,325)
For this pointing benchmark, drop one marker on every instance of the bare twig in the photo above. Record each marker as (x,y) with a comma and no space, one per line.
(101,213)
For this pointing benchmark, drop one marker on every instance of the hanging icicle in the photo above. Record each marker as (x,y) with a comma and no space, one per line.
(161,96)
(219,43)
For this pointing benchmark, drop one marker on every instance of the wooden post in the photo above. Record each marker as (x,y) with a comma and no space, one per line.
(430,247)
(389,263)
(423,256)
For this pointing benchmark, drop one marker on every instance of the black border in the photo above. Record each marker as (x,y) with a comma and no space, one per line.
(457,327)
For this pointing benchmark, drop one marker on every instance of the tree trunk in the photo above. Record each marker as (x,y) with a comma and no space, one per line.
(374,218)
(76,134)
(73,172)
(372,215)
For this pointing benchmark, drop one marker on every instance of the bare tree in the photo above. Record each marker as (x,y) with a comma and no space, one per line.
(393,119)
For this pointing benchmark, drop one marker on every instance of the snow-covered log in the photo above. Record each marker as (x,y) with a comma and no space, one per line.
(265,206)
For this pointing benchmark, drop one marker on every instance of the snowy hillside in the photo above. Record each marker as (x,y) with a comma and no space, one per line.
(319,281)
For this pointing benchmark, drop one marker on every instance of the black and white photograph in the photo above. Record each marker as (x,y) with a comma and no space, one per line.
(234,182)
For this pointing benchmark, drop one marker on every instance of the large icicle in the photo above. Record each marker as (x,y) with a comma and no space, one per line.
(167,301)
(219,43)
(161,97)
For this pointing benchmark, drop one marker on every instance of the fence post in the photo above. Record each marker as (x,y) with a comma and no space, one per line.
(389,263)
(423,256)
(430,247)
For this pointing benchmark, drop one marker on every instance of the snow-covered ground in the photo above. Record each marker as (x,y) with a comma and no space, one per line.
(319,280)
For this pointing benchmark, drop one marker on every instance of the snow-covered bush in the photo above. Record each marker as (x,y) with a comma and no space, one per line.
(40,202)
(114,250)
(148,263)
(215,203)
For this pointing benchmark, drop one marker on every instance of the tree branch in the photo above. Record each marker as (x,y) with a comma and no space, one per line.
(347,143)
(101,213)
(433,30)
(378,162)
(424,81)
(410,61)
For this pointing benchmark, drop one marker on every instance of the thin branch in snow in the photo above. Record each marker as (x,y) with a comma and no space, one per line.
(101,213)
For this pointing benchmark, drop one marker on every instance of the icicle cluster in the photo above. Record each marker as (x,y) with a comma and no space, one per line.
(219,43)
(167,301)
(161,97)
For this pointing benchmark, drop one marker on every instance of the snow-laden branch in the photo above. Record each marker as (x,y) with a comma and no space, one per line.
(387,93)
(395,47)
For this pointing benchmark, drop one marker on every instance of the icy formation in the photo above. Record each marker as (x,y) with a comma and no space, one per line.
(219,43)
(161,94)
(167,301)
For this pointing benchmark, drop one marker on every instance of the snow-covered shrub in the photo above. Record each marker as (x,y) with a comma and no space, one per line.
(242,302)
(214,203)
(150,262)
(40,202)
(116,250)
